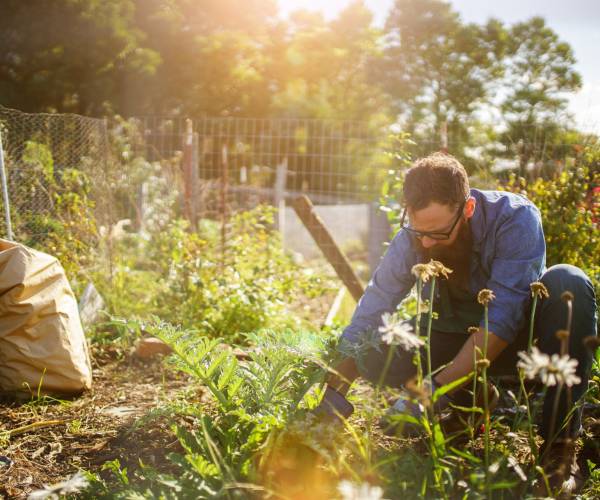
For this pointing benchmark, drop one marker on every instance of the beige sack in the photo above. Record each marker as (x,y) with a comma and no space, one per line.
(41,338)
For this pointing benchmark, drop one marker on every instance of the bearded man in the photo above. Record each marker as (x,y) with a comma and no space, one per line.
(491,240)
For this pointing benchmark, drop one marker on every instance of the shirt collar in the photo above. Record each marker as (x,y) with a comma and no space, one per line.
(478,220)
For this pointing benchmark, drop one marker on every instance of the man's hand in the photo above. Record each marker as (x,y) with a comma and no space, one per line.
(462,364)
(414,409)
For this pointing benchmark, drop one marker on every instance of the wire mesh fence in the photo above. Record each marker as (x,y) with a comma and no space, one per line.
(232,164)
(71,179)
(51,163)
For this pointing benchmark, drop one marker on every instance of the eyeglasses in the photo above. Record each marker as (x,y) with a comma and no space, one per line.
(434,235)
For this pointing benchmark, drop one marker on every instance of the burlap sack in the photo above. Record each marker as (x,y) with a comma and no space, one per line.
(42,345)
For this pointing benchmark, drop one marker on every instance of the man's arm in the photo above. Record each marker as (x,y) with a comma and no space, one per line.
(463,362)
(391,282)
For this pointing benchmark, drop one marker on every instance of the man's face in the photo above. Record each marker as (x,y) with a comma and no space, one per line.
(440,219)
(455,252)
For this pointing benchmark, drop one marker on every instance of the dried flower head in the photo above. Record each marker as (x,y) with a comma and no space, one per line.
(483,363)
(364,491)
(485,296)
(473,330)
(439,269)
(550,370)
(538,289)
(567,296)
(422,272)
(423,307)
(397,332)
(562,334)
(422,393)
(591,342)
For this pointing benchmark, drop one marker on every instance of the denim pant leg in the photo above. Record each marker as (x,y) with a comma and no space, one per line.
(552,316)
(444,347)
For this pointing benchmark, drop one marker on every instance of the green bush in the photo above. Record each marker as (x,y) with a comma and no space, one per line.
(568,217)
(187,279)
(51,208)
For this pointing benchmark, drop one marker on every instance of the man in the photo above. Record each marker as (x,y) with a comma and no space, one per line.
(491,240)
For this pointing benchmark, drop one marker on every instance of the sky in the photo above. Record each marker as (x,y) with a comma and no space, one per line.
(575,21)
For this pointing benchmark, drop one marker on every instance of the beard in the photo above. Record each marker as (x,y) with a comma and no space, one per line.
(456,256)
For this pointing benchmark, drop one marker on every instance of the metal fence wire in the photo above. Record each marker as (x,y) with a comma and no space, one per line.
(235,164)
(213,168)
(48,157)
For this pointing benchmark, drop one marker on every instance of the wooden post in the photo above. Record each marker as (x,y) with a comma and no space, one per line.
(187,171)
(306,212)
(224,182)
(279,195)
(194,177)
(379,234)
(444,137)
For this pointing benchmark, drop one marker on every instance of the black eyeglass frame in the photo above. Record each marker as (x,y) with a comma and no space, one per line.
(434,235)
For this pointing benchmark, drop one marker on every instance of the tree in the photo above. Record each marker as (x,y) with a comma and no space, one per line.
(540,72)
(69,55)
(324,72)
(439,70)
(213,55)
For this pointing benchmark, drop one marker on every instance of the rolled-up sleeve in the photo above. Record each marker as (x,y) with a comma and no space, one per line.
(519,260)
(390,284)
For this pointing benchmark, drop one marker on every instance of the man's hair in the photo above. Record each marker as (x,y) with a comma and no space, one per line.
(439,178)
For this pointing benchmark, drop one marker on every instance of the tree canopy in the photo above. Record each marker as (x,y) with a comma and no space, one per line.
(426,69)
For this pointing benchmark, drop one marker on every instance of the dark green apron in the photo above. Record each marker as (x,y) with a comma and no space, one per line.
(457,309)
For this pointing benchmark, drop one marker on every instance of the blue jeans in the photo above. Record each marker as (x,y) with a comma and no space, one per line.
(551,315)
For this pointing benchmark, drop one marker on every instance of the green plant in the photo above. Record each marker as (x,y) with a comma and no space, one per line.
(250,400)
(570,220)
(52,209)
(181,277)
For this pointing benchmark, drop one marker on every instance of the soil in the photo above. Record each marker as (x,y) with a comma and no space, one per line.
(112,421)
(119,419)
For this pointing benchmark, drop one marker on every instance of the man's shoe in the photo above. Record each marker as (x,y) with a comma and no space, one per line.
(333,406)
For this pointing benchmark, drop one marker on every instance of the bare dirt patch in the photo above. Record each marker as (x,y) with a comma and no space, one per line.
(58,438)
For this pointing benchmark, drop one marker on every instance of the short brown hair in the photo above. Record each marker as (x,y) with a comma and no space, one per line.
(439,178)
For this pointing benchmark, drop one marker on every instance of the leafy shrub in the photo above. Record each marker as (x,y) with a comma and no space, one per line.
(184,277)
(249,401)
(52,209)
(568,217)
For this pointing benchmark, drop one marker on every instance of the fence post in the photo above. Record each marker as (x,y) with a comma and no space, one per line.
(9,231)
(307,214)
(224,182)
(195,175)
(279,196)
(187,160)
(444,137)
(379,234)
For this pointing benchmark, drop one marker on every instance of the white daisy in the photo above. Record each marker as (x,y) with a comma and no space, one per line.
(397,332)
(364,491)
(550,370)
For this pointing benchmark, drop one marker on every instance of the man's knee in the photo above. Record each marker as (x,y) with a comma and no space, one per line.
(565,277)
(397,372)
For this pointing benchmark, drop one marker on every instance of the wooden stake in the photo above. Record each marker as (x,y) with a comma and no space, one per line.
(306,212)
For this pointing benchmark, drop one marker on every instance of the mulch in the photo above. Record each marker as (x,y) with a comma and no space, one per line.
(112,421)
(118,419)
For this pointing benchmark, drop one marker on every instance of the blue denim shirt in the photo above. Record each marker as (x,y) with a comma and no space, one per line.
(509,253)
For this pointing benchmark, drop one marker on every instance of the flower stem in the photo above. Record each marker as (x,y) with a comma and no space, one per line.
(517,420)
(486,409)
(429,322)
(418,332)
